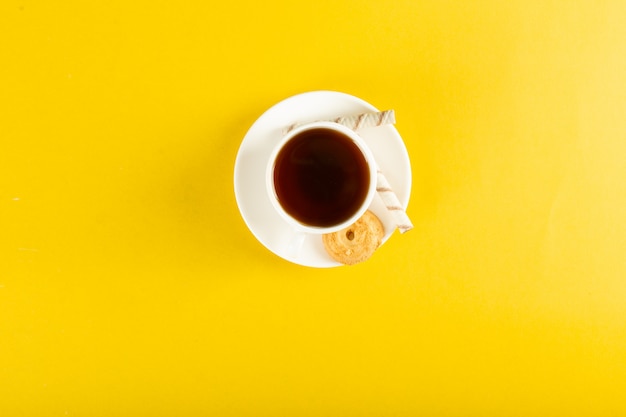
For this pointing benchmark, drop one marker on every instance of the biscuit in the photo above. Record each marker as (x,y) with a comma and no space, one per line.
(355,243)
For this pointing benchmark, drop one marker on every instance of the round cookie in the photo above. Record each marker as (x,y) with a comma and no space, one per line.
(357,242)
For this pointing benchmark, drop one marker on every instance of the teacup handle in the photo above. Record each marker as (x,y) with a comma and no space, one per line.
(295,244)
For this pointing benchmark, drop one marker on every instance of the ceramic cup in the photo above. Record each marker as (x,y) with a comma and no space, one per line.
(320,178)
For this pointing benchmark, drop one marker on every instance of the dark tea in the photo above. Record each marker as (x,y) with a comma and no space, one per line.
(321,177)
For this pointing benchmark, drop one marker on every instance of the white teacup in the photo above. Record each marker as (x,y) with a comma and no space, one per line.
(321,178)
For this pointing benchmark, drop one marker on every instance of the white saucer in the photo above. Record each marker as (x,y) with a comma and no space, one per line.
(255,207)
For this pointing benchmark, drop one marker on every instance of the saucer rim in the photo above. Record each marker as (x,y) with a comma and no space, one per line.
(249,137)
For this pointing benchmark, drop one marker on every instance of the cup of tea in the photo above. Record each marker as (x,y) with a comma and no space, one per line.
(321,178)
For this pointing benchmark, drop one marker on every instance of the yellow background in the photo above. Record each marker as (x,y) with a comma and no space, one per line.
(130,285)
